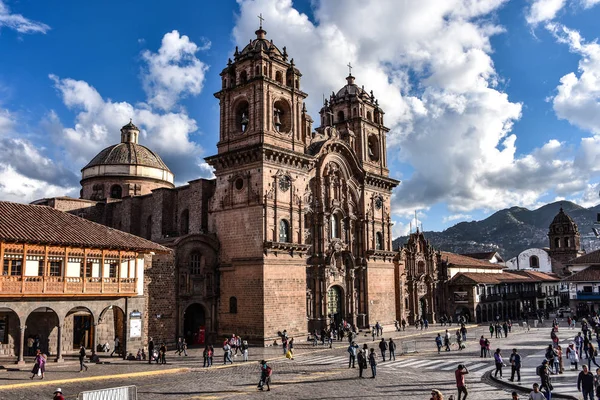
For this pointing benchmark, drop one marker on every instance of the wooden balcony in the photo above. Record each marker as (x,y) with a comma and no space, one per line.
(33,286)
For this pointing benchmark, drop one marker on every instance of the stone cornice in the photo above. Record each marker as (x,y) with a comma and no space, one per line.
(284,247)
(380,182)
(261,152)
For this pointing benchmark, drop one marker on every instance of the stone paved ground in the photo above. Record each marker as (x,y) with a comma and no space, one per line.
(313,374)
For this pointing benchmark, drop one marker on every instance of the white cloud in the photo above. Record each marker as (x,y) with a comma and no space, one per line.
(578,97)
(589,3)
(98,123)
(429,65)
(544,10)
(455,217)
(174,71)
(19,23)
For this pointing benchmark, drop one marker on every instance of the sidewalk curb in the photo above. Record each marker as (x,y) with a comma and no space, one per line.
(524,389)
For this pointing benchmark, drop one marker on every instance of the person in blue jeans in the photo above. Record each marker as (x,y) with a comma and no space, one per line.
(373,362)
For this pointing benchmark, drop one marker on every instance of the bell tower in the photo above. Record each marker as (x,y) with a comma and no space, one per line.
(261,100)
(258,207)
(564,238)
(356,113)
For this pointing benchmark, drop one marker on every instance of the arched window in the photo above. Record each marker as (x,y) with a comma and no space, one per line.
(567,242)
(257,73)
(195,264)
(534,262)
(116,192)
(233,305)
(279,77)
(557,242)
(378,241)
(340,116)
(243,77)
(284,231)
(241,116)
(369,116)
(335,226)
(282,120)
(184,223)
(373,148)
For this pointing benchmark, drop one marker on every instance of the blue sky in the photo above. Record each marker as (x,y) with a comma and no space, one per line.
(491,103)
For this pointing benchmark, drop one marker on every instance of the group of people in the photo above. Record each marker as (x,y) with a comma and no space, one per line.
(500,329)
(461,338)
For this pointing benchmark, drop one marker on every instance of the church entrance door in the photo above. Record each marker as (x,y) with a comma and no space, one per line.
(194,324)
(422,308)
(334,304)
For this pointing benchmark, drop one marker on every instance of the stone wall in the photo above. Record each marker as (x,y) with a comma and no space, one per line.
(161,289)
(381,292)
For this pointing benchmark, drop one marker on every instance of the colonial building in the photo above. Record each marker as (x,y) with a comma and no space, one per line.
(564,245)
(68,281)
(293,233)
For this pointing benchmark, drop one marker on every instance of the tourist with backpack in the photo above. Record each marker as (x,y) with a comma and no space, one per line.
(572,355)
(544,373)
(551,357)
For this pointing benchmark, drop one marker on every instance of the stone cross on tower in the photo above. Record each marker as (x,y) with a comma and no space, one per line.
(349,69)
(260,17)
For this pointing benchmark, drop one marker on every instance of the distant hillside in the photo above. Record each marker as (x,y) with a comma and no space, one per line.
(512,230)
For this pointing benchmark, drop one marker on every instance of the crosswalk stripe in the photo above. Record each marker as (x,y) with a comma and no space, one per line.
(477,366)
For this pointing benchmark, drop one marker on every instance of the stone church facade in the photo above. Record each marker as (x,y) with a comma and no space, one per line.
(293,233)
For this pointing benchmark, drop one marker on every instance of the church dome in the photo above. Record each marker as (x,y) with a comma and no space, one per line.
(128,153)
(562,218)
(260,44)
(125,169)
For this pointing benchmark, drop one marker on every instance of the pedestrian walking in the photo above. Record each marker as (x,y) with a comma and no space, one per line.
(585,383)
(116,349)
(265,376)
(227,353)
(447,340)
(383,347)
(491,329)
(463,332)
(352,351)
(392,350)
(551,356)
(373,363)
(592,356)
(578,343)
(206,356)
(403,323)
(499,363)
(515,365)
(544,373)
(373,333)
(39,366)
(461,386)
(488,351)
(572,355)
(150,350)
(58,395)
(181,347)
(82,358)
(245,349)
(438,342)
(536,394)
(162,353)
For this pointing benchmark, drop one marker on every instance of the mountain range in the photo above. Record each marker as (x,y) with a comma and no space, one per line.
(512,230)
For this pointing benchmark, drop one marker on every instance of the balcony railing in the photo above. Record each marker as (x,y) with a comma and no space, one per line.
(588,296)
(11,286)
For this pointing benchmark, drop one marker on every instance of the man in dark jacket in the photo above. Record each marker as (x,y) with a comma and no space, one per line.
(392,349)
(82,359)
(383,347)
(150,350)
(585,383)
(515,365)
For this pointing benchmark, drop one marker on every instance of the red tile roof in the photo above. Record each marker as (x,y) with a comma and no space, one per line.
(586,259)
(457,260)
(26,223)
(506,277)
(590,274)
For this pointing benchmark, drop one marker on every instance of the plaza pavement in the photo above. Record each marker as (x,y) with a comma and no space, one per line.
(314,373)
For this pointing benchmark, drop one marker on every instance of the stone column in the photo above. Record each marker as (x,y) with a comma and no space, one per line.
(95,338)
(20,360)
(59,357)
